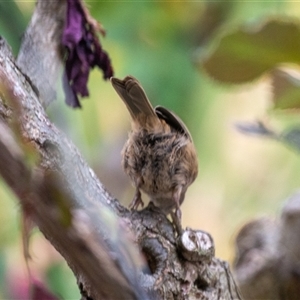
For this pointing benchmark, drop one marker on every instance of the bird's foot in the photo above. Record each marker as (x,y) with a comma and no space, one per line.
(176,218)
(137,201)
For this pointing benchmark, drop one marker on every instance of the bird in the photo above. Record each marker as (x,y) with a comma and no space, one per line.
(159,155)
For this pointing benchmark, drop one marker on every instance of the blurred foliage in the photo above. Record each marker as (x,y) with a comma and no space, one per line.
(160,43)
(247,53)
(61,281)
(12,31)
(290,136)
(286,88)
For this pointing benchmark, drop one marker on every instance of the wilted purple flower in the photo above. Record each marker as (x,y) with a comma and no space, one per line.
(84,52)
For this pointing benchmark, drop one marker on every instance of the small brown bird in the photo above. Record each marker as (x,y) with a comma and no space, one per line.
(159,155)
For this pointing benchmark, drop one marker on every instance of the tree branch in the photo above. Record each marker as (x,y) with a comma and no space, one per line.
(81,185)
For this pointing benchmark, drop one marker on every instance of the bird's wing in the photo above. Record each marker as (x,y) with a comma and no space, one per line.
(173,120)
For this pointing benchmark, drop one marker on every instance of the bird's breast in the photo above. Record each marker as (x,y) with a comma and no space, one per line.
(159,160)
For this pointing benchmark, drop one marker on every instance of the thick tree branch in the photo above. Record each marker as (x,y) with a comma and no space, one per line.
(56,154)
(42,199)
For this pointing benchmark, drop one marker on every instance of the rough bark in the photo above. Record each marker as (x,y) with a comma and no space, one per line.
(43,62)
(97,236)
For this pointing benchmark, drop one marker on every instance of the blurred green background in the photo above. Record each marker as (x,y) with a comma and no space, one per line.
(240,177)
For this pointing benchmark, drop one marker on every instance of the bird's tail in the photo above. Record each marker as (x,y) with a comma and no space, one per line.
(134,97)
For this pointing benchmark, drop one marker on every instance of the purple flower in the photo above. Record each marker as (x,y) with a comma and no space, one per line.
(84,52)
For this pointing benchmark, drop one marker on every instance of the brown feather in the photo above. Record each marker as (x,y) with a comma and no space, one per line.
(134,96)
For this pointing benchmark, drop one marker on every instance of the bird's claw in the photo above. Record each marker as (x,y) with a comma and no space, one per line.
(176,218)
(137,201)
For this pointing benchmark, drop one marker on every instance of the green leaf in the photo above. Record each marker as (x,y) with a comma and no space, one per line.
(286,88)
(246,54)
